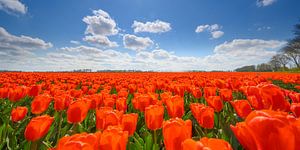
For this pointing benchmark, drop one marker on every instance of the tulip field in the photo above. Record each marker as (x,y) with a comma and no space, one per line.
(150,111)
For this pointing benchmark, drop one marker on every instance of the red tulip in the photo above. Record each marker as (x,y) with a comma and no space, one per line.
(206,144)
(82,141)
(38,127)
(255,103)
(226,94)
(268,129)
(77,111)
(295,108)
(121,104)
(241,107)
(203,114)
(175,106)
(114,138)
(129,122)
(106,116)
(40,104)
(154,116)
(4,92)
(18,113)
(210,91)
(35,90)
(197,92)
(16,94)
(175,131)
(215,102)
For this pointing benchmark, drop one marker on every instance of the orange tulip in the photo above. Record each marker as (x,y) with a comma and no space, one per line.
(268,129)
(154,116)
(190,144)
(16,94)
(129,122)
(38,127)
(62,102)
(141,101)
(82,141)
(255,103)
(226,94)
(295,108)
(40,104)
(241,107)
(206,144)
(106,116)
(197,92)
(273,98)
(175,106)
(114,138)
(175,131)
(215,102)
(203,114)
(295,97)
(34,90)
(215,144)
(121,104)
(77,111)
(210,91)
(4,92)
(18,113)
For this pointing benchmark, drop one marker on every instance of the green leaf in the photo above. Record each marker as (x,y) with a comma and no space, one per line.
(149,142)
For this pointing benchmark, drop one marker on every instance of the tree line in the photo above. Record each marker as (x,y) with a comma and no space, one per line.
(287,58)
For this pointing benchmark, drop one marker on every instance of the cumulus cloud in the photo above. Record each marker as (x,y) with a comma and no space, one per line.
(240,52)
(214,29)
(136,43)
(151,27)
(99,26)
(17,44)
(263,3)
(100,23)
(14,6)
(100,40)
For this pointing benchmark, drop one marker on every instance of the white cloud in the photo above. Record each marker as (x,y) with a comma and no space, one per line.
(262,3)
(214,30)
(136,43)
(240,52)
(152,27)
(99,26)
(13,6)
(100,23)
(99,40)
(263,28)
(217,34)
(75,42)
(9,42)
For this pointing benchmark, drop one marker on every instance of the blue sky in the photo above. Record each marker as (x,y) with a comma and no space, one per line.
(162,35)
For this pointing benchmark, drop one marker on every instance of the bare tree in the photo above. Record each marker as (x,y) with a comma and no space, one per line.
(292,52)
(274,62)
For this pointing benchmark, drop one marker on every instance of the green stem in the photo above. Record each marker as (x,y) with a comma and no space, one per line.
(34,145)
(59,125)
(155,137)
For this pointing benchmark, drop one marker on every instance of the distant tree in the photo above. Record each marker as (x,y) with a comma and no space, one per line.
(275,64)
(250,68)
(292,51)
(264,67)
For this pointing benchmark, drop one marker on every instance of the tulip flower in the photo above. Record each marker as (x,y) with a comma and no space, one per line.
(206,144)
(82,141)
(175,131)
(175,106)
(129,122)
(106,116)
(141,101)
(40,104)
(241,107)
(34,90)
(197,92)
(210,91)
(215,102)
(295,108)
(203,114)
(14,95)
(121,104)
(154,116)
(4,92)
(226,94)
(18,113)
(77,111)
(268,129)
(114,138)
(38,127)
(255,103)
(62,102)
